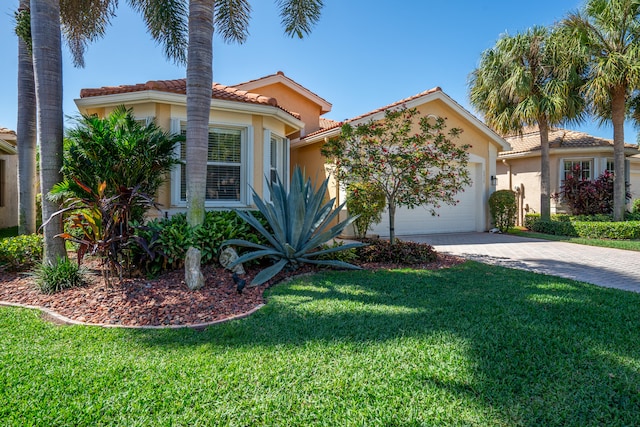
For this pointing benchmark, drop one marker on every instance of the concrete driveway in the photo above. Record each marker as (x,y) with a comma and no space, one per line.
(612,268)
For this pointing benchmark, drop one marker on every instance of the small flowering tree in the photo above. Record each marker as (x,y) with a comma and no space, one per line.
(408,157)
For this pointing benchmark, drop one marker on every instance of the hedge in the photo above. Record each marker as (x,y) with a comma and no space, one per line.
(595,228)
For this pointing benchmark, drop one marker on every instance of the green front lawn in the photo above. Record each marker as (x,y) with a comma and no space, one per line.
(629,245)
(472,345)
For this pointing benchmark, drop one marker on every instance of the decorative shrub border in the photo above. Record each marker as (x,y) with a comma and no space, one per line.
(593,228)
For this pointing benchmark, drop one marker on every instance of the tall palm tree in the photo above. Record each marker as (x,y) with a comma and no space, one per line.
(232,19)
(26,128)
(609,34)
(529,79)
(47,64)
(82,21)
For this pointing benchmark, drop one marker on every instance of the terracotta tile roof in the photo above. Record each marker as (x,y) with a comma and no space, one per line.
(219,91)
(327,124)
(558,138)
(8,135)
(397,103)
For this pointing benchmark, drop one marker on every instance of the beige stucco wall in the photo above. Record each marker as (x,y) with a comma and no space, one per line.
(525,171)
(293,101)
(9,210)
(166,116)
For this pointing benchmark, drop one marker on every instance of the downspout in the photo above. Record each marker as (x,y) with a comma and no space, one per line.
(504,161)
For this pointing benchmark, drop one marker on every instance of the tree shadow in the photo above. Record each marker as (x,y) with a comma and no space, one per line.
(542,350)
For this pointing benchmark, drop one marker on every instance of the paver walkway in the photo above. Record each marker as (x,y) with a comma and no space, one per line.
(613,268)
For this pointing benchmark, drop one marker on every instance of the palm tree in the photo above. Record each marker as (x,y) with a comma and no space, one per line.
(232,20)
(529,79)
(609,34)
(82,22)
(26,128)
(47,64)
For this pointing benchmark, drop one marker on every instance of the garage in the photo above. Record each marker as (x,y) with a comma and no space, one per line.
(467,215)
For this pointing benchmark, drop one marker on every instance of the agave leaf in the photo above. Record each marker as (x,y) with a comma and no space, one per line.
(250,256)
(325,236)
(244,243)
(331,263)
(272,218)
(335,249)
(253,221)
(269,272)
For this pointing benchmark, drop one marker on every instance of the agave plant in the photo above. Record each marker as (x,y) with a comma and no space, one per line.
(300,221)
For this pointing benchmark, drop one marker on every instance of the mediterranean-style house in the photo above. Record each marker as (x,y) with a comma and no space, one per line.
(8,179)
(265,126)
(519,168)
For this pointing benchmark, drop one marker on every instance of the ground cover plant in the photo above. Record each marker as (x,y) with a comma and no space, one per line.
(471,345)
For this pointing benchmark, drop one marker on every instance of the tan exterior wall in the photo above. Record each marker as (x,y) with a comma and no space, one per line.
(293,101)
(9,208)
(525,171)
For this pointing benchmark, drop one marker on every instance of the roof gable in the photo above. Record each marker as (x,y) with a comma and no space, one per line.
(421,98)
(7,141)
(280,78)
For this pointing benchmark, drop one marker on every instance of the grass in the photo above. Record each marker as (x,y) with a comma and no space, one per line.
(629,245)
(472,345)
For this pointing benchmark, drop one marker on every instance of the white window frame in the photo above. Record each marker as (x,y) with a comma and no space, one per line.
(246,167)
(282,156)
(591,160)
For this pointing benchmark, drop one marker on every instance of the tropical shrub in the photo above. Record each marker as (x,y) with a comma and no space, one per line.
(503,208)
(406,253)
(366,202)
(586,197)
(64,274)
(300,222)
(101,224)
(346,255)
(120,152)
(163,243)
(20,253)
(636,206)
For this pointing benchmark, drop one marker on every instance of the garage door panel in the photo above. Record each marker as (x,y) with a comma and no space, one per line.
(450,219)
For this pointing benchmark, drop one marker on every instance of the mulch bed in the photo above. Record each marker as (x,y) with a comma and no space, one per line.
(164,301)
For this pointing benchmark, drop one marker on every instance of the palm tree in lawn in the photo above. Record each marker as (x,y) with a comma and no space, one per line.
(26,124)
(609,34)
(81,21)
(530,79)
(231,18)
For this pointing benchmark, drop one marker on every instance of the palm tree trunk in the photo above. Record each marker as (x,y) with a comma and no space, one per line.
(47,66)
(545,182)
(618,99)
(199,81)
(26,130)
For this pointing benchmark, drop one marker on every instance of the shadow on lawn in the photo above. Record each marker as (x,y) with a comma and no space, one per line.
(552,351)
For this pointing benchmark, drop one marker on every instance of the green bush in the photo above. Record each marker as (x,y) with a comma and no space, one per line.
(368,202)
(406,253)
(346,255)
(64,274)
(636,206)
(503,208)
(20,253)
(163,243)
(591,227)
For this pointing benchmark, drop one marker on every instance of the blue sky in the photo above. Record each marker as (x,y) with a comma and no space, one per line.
(362,55)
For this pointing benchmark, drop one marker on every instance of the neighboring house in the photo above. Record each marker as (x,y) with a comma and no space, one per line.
(519,168)
(8,179)
(272,123)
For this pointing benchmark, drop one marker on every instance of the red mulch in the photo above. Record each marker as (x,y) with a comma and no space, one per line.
(163,301)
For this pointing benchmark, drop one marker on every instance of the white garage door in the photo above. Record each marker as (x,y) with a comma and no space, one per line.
(467,215)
